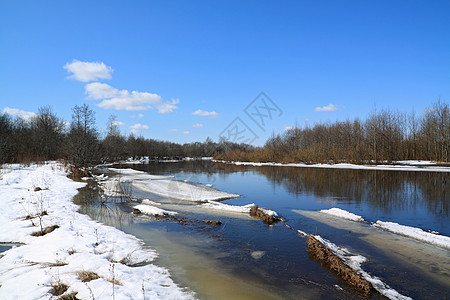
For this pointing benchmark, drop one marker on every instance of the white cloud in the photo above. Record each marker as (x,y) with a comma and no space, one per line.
(173,130)
(113,98)
(139,116)
(138,127)
(186,132)
(88,71)
(197,125)
(204,113)
(287,128)
(117,123)
(26,115)
(329,107)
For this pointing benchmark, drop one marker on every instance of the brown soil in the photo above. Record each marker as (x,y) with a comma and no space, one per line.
(256,212)
(324,255)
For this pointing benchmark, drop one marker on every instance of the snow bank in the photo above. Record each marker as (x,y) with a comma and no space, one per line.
(153,210)
(354,262)
(337,212)
(415,233)
(405,166)
(79,244)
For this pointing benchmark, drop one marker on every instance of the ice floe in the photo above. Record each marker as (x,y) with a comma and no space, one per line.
(153,210)
(337,212)
(163,186)
(415,233)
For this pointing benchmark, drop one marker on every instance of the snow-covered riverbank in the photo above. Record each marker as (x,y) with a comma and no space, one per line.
(416,166)
(119,265)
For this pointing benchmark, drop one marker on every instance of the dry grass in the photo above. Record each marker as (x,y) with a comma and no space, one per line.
(59,289)
(45,230)
(115,281)
(86,276)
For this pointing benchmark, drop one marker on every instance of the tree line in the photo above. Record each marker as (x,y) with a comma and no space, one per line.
(48,137)
(385,136)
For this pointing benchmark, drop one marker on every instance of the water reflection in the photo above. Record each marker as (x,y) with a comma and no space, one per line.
(385,190)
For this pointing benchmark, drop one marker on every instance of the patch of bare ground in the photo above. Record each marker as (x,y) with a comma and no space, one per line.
(45,230)
(77,174)
(58,289)
(71,296)
(86,276)
(325,256)
(258,213)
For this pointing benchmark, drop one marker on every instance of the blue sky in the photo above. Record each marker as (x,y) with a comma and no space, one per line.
(316,60)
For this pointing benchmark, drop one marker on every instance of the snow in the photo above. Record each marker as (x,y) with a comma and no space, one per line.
(227,207)
(165,186)
(415,233)
(236,208)
(354,262)
(153,210)
(150,202)
(80,244)
(337,212)
(181,190)
(417,166)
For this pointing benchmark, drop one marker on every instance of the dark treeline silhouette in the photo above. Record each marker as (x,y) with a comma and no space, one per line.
(385,136)
(47,137)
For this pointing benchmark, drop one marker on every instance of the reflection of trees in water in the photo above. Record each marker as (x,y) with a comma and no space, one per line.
(386,190)
(94,205)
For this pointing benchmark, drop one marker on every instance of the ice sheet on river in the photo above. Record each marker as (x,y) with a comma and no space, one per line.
(168,187)
(415,233)
(340,213)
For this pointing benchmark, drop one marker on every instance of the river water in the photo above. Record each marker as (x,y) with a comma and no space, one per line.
(246,259)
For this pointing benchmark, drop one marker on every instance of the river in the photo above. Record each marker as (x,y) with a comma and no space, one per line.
(246,259)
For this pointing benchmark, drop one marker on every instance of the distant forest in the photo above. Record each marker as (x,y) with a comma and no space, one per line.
(385,136)
(47,137)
